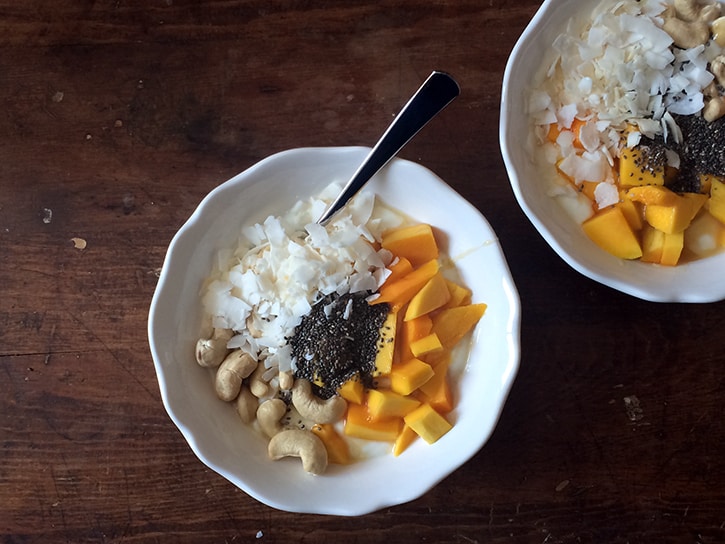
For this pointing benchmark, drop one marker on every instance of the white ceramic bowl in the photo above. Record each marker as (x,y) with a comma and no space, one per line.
(238,453)
(699,281)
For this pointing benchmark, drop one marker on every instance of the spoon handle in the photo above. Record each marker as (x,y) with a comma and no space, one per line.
(435,94)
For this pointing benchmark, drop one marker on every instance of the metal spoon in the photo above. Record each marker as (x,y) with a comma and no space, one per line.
(436,93)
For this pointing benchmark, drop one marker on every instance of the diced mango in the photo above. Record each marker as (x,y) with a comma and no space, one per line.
(587,189)
(402,267)
(706,182)
(652,195)
(677,216)
(352,391)
(416,243)
(384,404)
(631,212)
(337,449)
(400,292)
(408,376)
(633,172)
(459,295)
(440,373)
(672,248)
(386,345)
(553,133)
(653,241)
(610,230)
(413,330)
(426,345)
(441,399)
(716,203)
(452,324)
(406,437)
(431,296)
(359,425)
(427,423)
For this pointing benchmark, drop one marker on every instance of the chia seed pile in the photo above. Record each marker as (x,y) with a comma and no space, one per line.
(702,151)
(338,340)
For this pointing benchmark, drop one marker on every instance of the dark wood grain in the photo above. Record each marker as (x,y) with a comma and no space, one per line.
(119,116)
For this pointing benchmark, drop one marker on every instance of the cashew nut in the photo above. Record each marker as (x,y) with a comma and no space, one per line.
(717,68)
(718,31)
(299,443)
(253,331)
(286,380)
(693,10)
(269,414)
(211,351)
(714,109)
(258,386)
(247,405)
(235,367)
(314,408)
(687,34)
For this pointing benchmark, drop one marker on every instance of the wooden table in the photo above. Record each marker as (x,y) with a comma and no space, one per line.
(119,116)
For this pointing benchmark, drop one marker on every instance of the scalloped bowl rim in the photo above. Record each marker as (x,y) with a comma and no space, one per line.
(691,282)
(240,456)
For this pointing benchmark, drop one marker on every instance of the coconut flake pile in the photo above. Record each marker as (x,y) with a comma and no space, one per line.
(619,69)
(282,266)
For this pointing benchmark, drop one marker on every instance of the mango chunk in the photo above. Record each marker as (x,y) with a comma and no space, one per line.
(716,203)
(431,296)
(399,293)
(336,446)
(416,243)
(402,267)
(672,248)
(653,241)
(406,437)
(427,423)
(358,424)
(459,295)
(384,404)
(426,345)
(408,376)
(452,324)
(386,345)
(610,230)
(634,169)
(352,391)
(652,196)
(631,213)
(437,391)
(677,216)
(413,330)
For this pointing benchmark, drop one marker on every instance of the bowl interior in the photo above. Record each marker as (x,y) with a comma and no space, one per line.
(687,282)
(212,427)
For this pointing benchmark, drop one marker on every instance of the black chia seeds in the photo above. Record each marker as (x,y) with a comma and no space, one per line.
(702,151)
(337,340)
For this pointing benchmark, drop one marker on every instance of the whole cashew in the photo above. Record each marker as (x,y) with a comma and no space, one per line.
(210,352)
(286,380)
(717,68)
(254,331)
(299,443)
(714,109)
(314,408)
(718,31)
(258,386)
(687,34)
(693,10)
(234,368)
(247,405)
(269,415)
